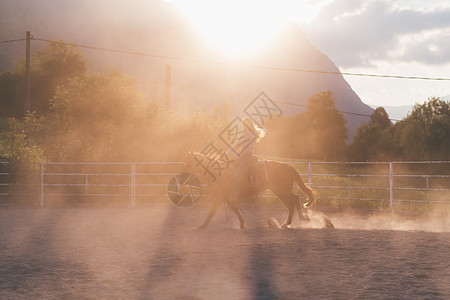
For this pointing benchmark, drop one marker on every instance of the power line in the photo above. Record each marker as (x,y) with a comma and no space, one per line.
(11,41)
(249,97)
(131,52)
(245,65)
(341,111)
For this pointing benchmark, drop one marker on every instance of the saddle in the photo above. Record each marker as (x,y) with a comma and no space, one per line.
(258,173)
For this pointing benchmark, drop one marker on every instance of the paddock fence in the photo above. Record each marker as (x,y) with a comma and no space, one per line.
(4,179)
(385,186)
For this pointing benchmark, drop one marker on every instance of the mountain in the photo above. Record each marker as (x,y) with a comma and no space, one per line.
(156,27)
(400,112)
(397,112)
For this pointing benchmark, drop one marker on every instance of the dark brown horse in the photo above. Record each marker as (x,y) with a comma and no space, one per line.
(281,180)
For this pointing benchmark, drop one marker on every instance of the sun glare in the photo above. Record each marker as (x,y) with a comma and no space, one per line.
(241,28)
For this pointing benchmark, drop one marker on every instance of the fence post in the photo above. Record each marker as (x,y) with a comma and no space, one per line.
(86,182)
(42,184)
(391,186)
(349,188)
(309,174)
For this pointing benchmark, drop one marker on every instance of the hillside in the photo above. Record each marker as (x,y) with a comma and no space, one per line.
(155,27)
(396,112)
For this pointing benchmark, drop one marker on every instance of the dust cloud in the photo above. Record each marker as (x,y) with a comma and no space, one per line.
(385,221)
(155,252)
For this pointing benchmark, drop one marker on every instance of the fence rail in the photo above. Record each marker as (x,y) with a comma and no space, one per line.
(402,189)
(389,183)
(3,175)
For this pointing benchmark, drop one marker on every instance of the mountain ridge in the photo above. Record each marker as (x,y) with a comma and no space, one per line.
(157,27)
(396,112)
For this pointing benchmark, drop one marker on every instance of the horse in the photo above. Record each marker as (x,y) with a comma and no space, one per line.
(281,180)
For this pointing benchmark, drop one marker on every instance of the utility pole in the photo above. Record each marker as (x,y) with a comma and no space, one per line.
(28,74)
(168,75)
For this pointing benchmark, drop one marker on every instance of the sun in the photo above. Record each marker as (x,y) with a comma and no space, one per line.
(239,28)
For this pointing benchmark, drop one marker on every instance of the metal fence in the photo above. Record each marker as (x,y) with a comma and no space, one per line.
(386,185)
(390,185)
(133,182)
(4,176)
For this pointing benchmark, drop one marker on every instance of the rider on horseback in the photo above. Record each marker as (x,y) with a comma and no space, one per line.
(244,151)
(281,180)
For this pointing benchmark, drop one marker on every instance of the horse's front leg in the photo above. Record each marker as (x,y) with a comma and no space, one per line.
(211,214)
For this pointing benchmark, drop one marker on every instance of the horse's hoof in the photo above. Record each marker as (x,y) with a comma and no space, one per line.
(327,223)
(305,218)
(285,225)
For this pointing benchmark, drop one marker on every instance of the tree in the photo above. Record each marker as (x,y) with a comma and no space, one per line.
(282,137)
(12,94)
(374,139)
(425,132)
(22,144)
(95,117)
(50,68)
(381,118)
(324,132)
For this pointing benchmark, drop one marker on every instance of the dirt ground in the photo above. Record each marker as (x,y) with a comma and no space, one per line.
(156,252)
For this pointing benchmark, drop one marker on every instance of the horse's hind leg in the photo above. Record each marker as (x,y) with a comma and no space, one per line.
(301,215)
(235,208)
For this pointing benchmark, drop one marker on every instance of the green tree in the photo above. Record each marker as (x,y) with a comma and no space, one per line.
(282,137)
(22,144)
(95,117)
(381,118)
(425,133)
(12,94)
(51,67)
(374,139)
(324,132)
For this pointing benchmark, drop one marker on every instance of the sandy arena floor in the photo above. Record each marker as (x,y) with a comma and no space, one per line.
(155,252)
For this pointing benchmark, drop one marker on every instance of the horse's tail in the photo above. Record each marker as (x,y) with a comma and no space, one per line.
(305,189)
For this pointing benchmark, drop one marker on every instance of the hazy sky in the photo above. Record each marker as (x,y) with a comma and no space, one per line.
(403,37)
(391,37)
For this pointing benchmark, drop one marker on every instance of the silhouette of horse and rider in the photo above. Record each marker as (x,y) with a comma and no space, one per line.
(249,177)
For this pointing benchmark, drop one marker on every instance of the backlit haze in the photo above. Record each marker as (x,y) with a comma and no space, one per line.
(407,38)
(238,29)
